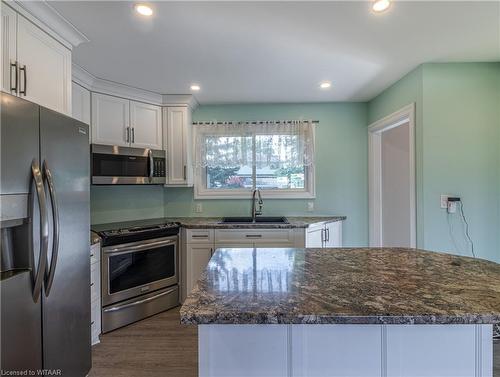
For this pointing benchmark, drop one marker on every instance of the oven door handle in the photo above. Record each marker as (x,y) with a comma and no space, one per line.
(120,307)
(122,249)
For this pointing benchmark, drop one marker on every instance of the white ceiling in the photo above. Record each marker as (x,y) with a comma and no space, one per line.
(277,51)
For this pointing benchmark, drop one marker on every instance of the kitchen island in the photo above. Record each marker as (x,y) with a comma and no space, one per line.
(344,312)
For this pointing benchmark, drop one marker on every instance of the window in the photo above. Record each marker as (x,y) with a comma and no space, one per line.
(232,159)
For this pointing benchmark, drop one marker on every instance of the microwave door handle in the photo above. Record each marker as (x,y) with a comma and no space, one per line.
(151,162)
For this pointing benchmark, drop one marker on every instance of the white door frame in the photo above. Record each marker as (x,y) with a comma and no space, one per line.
(398,118)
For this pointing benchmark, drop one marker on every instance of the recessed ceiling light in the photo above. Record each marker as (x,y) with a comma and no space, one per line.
(325,84)
(144,10)
(195,87)
(381,5)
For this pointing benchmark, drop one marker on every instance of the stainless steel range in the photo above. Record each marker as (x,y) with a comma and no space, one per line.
(140,273)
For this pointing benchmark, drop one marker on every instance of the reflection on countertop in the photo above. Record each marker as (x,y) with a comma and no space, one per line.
(344,286)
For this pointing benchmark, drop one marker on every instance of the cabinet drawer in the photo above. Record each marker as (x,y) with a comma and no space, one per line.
(95,318)
(200,236)
(95,253)
(254,236)
(95,282)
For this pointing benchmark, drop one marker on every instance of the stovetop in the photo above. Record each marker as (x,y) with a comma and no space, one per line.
(133,231)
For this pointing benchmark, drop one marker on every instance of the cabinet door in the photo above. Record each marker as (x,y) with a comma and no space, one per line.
(8,48)
(145,121)
(176,143)
(44,68)
(315,236)
(197,260)
(333,234)
(110,120)
(80,99)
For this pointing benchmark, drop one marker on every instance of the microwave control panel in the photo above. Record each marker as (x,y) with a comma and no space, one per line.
(158,167)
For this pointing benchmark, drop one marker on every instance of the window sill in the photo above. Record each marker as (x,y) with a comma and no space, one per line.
(247,195)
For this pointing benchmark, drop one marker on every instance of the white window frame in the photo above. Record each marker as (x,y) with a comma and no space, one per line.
(308,192)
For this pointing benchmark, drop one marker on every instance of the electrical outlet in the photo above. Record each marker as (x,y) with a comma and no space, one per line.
(198,208)
(444,201)
(310,206)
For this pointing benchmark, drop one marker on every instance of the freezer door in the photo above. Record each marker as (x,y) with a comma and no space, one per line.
(21,323)
(65,159)
(19,147)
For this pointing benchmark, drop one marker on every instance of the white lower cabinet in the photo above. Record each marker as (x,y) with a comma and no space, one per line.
(95,292)
(197,249)
(324,235)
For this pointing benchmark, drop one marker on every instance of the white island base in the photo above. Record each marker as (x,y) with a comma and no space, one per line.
(345,350)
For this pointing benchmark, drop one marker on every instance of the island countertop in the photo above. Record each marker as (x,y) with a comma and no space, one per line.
(344,286)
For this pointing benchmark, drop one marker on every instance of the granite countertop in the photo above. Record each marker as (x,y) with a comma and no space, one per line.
(344,286)
(214,222)
(94,238)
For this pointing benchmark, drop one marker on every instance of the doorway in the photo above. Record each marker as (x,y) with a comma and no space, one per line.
(392,204)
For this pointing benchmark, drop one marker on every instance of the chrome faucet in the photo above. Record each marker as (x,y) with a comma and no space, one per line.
(255,211)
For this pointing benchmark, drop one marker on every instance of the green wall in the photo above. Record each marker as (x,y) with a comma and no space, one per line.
(457,151)
(341,166)
(122,203)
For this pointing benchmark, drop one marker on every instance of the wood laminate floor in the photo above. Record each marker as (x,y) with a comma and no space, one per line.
(161,347)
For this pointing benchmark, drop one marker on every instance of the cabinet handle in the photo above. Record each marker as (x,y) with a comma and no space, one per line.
(327,231)
(91,284)
(253,235)
(199,236)
(133,135)
(13,88)
(127,135)
(322,235)
(23,91)
(91,255)
(184,172)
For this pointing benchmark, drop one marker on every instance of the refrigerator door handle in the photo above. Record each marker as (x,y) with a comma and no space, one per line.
(44,229)
(49,276)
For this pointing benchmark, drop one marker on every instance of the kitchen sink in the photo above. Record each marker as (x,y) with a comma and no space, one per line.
(258,220)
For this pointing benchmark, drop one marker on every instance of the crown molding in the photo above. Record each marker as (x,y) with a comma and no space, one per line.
(50,20)
(82,77)
(95,84)
(180,99)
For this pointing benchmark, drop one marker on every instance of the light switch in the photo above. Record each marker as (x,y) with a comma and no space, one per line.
(198,208)
(310,206)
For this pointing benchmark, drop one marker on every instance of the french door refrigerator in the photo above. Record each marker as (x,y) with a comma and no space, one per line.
(44,222)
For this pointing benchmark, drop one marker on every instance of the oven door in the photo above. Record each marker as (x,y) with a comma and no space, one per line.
(136,268)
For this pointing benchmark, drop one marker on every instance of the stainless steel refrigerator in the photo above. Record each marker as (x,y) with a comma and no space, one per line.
(44,222)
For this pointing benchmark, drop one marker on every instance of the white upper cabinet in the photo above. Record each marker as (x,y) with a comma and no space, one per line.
(118,121)
(80,98)
(110,120)
(8,49)
(177,142)
(34,65)
(44,68)
(145,123)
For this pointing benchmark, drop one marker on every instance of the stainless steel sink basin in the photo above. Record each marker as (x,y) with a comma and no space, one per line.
(258,220)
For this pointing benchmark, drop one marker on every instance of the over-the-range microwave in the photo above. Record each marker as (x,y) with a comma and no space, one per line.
(115,165)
